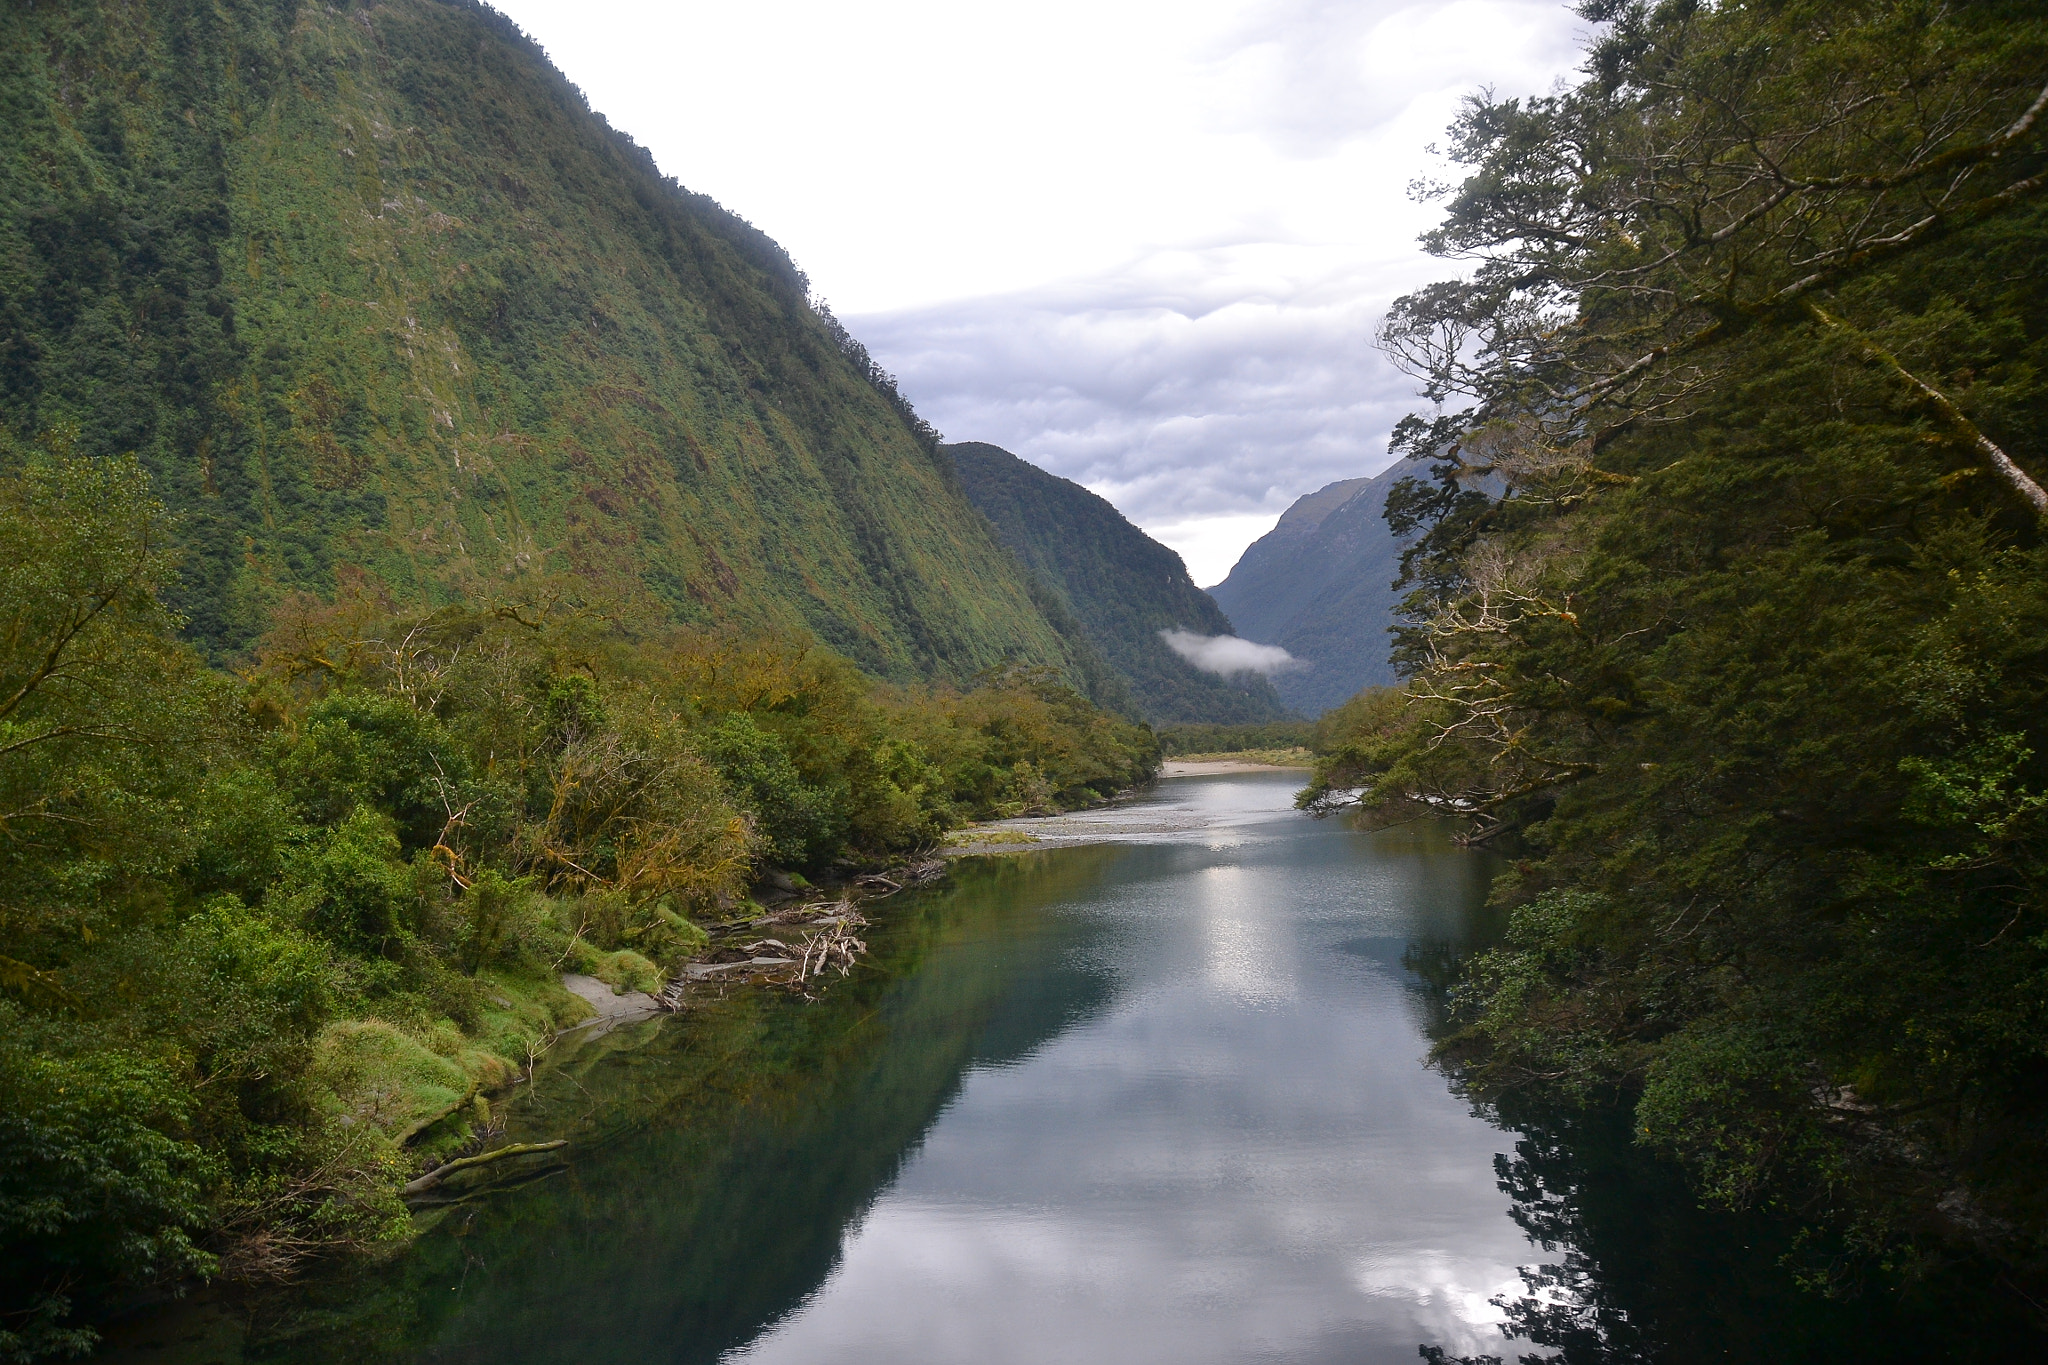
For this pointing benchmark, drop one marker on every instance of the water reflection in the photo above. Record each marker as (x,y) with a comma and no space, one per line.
(1146,1101)
(1244,946)
(1239,1158)
(1633,1271)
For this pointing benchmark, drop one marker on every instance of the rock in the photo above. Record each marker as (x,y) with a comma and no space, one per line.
(612,1010)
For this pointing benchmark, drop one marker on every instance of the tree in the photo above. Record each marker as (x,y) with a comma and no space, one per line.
(1730,598)
(1727,168)
(102,711)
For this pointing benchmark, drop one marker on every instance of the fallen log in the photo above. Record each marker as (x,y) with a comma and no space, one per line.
(442,1172)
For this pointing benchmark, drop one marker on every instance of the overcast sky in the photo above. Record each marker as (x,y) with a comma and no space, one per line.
(1141,244)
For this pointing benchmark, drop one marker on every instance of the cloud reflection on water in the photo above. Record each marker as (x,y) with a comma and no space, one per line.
(1241,1159)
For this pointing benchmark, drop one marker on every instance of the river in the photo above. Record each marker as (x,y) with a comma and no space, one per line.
(1154,1092)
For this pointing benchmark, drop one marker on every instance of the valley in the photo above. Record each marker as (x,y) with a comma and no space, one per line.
(546,811)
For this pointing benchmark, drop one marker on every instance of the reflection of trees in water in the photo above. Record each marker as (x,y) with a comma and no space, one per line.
(1570,1306)
(718,1158)
(1634,1271)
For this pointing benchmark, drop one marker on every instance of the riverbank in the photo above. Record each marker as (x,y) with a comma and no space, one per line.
(722,1164)
(1224,765)
(1196,1051)
(1144,818)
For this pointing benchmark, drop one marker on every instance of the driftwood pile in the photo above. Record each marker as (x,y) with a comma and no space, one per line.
(910,874)
(796,946)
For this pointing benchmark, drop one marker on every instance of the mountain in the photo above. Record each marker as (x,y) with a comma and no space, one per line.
(374,295)
(1319,584)
(1119,584)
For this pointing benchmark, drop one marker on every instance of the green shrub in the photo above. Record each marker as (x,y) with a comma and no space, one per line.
(245,829)
(359,749)
(800,825)
(100,1186)
(606,921)
(626,971)
(349,887)
(503,920)
(373,1074)
(256,992)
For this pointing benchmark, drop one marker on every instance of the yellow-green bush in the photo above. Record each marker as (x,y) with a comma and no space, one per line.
(301,921)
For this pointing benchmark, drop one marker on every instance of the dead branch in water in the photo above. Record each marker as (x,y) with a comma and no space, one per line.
(776,961)
(442,1172)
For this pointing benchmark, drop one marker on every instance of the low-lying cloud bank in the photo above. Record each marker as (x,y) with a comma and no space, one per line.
(1226,654)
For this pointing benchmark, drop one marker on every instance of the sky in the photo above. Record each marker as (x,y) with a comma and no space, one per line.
(1142,244)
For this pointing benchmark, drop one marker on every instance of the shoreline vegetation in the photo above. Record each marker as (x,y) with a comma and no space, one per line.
(1727,623)
(273,939)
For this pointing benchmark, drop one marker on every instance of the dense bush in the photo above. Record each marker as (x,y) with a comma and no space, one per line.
(265,941)
(1236,739)
(1746,668)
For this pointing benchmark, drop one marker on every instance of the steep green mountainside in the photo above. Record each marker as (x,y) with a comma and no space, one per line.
(371,291)
(1320,584)
(1122,586)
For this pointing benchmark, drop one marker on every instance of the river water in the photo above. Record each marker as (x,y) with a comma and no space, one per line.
(1159,1095)
(1221,1147)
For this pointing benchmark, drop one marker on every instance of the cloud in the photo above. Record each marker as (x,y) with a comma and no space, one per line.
(1226,654)
(1190,384)
(1308,74)
(1144,246)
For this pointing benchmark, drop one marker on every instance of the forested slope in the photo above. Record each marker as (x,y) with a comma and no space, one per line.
(1320,584)
(370,290)
(271,942)
(519,487)
(1748,666)
(1121,586)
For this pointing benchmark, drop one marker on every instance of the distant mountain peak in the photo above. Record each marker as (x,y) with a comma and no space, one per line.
(1309,510)
(1320,585)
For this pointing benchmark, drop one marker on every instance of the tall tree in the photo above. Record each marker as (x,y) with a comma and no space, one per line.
(1746,658)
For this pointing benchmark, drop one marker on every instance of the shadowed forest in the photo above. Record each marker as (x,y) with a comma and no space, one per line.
(1745,671)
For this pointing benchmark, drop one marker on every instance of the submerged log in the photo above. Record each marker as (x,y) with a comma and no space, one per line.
(442,1172)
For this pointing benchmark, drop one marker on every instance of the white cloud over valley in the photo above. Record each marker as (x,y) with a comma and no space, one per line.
(1228,655)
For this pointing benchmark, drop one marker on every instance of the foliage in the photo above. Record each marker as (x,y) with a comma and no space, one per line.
(97,704)
(97,1174)
(269,941)
(1020,743)
(1175,740)
(371,288)
(1746,663)
(797,822)
(1118,585)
